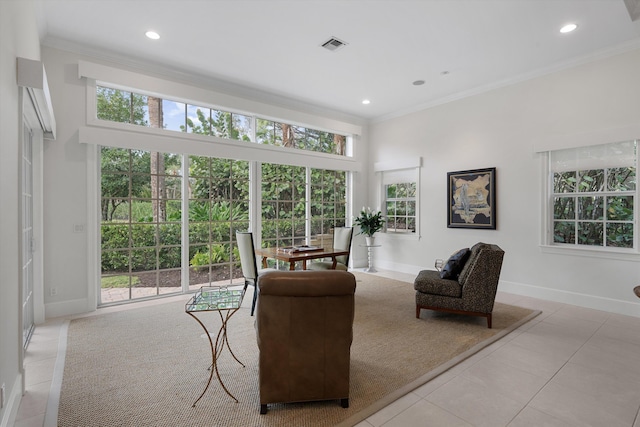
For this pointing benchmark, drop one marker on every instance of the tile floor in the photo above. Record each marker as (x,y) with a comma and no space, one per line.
(570,366)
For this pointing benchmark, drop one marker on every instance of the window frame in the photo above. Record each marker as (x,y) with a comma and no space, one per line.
(95,133)
(406,215)
(407,167)
(548,245)
(300,132)
(100,133)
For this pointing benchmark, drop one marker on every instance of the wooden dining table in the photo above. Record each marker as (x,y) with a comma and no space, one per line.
(292,256)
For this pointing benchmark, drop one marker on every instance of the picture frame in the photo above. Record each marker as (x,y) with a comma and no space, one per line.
(471,199)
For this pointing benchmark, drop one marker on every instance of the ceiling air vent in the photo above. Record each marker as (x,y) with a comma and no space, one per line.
(333,44)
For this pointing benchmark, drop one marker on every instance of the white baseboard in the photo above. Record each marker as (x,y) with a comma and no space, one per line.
(401,268)
(583,300)
(13,403)
(53,403)
(66,308)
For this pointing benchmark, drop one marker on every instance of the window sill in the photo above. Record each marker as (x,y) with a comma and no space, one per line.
(615,254)
(401,236)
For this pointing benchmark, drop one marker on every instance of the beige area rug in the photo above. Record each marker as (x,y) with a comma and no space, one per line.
(146,366)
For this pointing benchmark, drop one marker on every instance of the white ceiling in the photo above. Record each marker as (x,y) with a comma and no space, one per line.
(273,47)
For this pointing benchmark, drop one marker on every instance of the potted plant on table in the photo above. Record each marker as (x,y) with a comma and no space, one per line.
(369,222)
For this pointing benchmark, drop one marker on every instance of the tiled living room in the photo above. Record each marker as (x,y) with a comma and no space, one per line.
(125,154)
(570,366)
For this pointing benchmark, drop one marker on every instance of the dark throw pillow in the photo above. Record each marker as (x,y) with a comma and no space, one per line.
(454,265)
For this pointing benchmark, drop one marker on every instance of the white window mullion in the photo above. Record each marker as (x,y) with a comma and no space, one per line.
(307,203)
(184,276)
(255,201)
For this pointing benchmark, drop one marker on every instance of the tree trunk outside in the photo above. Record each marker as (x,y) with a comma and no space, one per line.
(340,142)
(287,135)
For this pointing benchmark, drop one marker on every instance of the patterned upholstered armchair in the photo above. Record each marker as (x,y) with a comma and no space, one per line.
(472,292)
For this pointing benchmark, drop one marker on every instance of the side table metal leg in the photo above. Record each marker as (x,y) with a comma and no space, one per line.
(213,357)
(218,349)
(221,339)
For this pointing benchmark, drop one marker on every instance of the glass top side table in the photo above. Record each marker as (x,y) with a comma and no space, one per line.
(225,302)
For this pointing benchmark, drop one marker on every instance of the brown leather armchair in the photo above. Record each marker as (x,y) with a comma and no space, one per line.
(473,293)
(304,327)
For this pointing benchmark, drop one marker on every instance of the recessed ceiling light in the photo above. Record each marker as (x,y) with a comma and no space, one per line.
(418,83)
(568,28)
(366,102)
(152,35)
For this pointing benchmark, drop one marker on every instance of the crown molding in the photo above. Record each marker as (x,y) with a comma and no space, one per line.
(162,70)
(586,59)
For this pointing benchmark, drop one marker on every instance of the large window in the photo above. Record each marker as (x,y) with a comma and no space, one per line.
(400,200)
(142,217)
(328,201)
(137,109)
(301,205)
(140,228)
(169,220)
(284,205)
(285,135)
(218,207)
(593,196)
(401,207)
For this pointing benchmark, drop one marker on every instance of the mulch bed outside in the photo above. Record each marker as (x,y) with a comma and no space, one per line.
(171,278)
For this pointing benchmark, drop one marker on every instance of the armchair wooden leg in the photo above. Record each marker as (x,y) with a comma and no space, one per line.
(263,409)
(489,320)
(417,311)
(344,403)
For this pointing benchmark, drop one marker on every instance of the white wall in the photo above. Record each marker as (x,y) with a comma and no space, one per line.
(499,128)
(67,193)
(496,128)
(18,38)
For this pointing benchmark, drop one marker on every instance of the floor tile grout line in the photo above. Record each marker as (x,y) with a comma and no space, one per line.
(460,375)
(528,404)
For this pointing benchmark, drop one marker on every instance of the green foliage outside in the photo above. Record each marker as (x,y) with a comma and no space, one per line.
(121,106)
(219,194)
(217,254)
(118,281)
(587,208)
(284,195)
(222,124)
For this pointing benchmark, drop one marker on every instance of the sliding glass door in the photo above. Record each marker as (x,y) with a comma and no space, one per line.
(149,199)
(27,236)
(141,207)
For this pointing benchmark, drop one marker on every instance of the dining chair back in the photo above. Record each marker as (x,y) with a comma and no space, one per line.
(342,237)
(250,271)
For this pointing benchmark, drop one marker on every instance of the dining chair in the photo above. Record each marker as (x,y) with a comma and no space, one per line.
(250,269)
(342,237)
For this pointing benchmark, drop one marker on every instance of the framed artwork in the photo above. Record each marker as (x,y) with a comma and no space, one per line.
(471,199)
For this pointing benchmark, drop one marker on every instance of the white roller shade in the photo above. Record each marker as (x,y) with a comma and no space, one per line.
(399,176)
(618,154)
(398,171)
